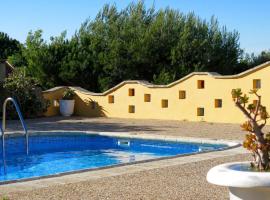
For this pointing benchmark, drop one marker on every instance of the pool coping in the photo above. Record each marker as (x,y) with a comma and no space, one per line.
(62,178)
(230,143)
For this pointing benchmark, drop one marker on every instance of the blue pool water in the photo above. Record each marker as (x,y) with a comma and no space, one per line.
(57,153)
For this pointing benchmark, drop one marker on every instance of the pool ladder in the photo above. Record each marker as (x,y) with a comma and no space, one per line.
(3,128)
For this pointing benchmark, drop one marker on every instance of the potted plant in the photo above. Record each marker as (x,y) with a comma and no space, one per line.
(248,180)
(67,103)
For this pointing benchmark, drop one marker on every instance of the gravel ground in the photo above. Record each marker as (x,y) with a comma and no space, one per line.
(186,181)
(160,127)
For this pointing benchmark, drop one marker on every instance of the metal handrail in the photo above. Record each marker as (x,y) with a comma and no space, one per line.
(3,151)
(4,123)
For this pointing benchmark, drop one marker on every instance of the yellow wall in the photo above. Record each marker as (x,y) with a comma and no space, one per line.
(216,87)
(53,96)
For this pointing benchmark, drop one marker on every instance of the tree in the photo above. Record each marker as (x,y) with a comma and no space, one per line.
(141,43)
(41,60)
(136,42)
(8,46)
(263,57)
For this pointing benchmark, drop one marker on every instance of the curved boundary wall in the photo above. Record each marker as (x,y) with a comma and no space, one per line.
(199,96)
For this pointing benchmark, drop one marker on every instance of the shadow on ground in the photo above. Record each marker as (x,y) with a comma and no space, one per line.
(79,124)
(147,126)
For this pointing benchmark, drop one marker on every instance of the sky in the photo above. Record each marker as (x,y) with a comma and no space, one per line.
(249,17)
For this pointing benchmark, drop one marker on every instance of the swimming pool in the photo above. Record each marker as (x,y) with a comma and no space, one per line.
(56,153)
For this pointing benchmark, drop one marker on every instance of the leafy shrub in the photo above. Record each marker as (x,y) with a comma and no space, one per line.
(69,94)
(26,92)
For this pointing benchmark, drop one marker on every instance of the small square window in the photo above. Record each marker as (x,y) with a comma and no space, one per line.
(200,84)
(164,103)
(218,103)
(182,94)
(131,109)
(200,111)
(255,102)
(256,83)
(131,92)
(147,98)
(110,99)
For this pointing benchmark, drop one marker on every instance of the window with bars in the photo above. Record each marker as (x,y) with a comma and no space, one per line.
(131,92)
(131,109)
(200,84)
(200,111)
(164,103)
(218,103)
(147,98)
(256,83)
(182,94)
(110,99)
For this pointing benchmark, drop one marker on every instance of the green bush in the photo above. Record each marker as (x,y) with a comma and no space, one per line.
(26,92)
(69,94)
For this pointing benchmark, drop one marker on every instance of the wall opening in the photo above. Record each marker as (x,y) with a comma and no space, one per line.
(200,84)
(131,92)
(256,83)
(255,102)
(131,109)
(200,111)
(147,97)
(93,104)
(164,103)
(110,99)
(218,103)
(182,94)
